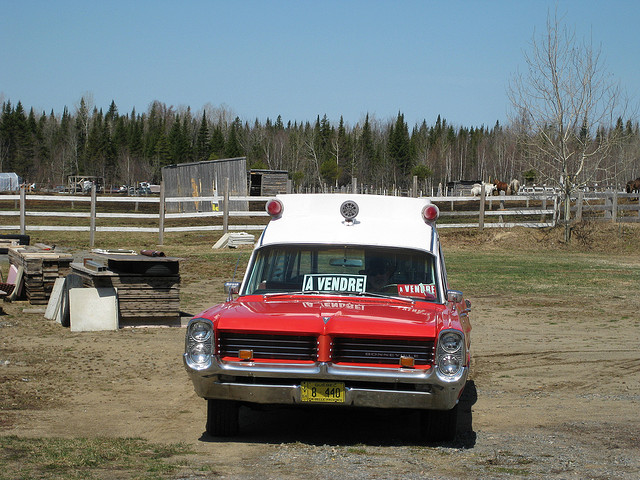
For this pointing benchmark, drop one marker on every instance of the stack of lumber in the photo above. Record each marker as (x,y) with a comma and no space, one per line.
(6,243)
(41,265)
(234,240)
(148,288)
(8,240)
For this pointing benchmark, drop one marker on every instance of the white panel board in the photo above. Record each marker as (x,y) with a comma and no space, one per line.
(54,300)
(93,309)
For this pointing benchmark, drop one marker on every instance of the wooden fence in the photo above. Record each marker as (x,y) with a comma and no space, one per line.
(606,206)
(503,211)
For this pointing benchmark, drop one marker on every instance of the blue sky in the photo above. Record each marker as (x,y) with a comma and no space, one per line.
(298,59)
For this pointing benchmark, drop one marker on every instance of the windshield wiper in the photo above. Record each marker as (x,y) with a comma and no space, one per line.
(345,294)
(300,292)
(382,295)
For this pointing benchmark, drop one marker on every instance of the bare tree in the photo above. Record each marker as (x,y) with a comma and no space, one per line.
(565,106)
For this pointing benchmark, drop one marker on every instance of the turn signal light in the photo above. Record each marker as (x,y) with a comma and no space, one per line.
(407,362)
(245,354)
(430,213)
(274,208)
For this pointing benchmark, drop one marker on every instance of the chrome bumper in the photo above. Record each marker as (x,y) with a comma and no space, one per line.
(364,386)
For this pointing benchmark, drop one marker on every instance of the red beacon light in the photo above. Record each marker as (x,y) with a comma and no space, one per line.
(430,213)
(274,208)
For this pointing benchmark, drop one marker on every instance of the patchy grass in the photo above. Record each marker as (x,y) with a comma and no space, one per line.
(83,458)
(546,274)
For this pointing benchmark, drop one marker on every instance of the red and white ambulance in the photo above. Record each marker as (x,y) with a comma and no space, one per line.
(345,302)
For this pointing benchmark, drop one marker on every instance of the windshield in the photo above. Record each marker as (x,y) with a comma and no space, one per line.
(343,270)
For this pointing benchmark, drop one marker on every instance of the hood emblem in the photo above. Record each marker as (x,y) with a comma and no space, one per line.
(326,319)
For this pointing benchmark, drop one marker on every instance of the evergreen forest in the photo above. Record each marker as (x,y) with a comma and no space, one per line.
(125,148)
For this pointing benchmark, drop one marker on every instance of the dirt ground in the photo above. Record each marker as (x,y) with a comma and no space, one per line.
(554,393)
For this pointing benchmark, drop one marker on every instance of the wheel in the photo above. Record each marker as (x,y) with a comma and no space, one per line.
(65,317)
(222,418)
(160,270)
(439,425)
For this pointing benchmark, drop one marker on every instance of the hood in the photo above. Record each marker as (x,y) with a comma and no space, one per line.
(334,316)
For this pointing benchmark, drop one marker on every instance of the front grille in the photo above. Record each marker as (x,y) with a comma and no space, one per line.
(385,351)
(273,347)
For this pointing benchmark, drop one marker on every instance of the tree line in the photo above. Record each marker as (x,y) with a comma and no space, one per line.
(125,148)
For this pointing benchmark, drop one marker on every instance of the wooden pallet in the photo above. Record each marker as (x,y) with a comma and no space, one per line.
(141,298)
(41,268)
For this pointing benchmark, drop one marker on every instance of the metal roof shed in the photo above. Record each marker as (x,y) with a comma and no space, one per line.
(9,182)
(205,179)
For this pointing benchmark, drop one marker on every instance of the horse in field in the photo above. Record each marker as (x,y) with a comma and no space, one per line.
(500,187)
(514,187)
(633,186)
(477,189)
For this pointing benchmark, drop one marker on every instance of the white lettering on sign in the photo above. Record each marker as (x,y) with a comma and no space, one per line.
(334,283)
(422,290)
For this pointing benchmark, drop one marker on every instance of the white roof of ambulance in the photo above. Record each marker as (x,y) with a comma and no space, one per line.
(381,221)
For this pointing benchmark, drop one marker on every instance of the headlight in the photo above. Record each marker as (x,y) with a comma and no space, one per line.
(199,344)
(449,365)
(200,353)
(200,331)
(450,355)
(451,342)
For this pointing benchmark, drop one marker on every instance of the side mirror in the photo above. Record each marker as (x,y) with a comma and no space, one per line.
(231,289)
(454,296)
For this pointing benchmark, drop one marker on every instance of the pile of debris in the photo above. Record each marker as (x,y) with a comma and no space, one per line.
(234,240)
(147,284)
(106,290)
(36,269)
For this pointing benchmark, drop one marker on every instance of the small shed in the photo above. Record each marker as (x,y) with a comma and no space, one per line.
(461,188)
(205,179)
(266,183)
(10,182)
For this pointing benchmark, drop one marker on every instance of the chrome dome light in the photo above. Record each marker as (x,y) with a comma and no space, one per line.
(349,210)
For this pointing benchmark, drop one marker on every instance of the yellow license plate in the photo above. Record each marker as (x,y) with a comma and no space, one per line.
(323,392)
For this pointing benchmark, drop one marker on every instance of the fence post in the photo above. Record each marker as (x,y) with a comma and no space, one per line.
(481,214)
(579,206)
(354,184)
(92,221)
(225,213)
(543,217)
(23,207)
(607,202)
(414,188)
(614,207)
(161,214)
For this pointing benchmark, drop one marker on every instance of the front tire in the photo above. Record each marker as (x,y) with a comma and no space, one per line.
(439,425)
(222,418)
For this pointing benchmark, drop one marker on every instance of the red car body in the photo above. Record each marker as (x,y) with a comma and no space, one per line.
(312,327)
